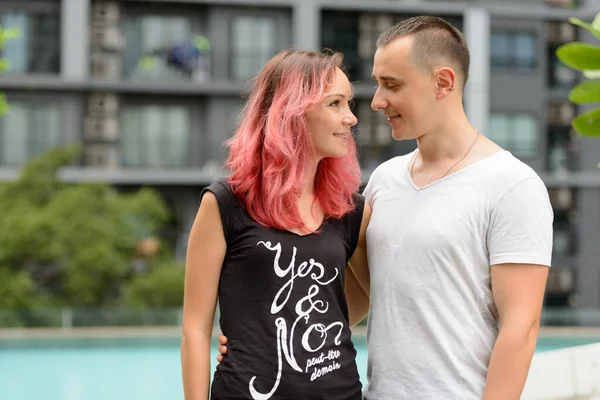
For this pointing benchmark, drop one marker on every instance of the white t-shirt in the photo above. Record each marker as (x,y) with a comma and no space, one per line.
(433,323)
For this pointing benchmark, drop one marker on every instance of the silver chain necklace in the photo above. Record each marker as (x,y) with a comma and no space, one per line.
(414,160)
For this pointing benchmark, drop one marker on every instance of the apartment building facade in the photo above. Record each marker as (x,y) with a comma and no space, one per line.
(85,71)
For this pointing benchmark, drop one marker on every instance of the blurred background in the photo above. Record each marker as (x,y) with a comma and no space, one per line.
(112,119)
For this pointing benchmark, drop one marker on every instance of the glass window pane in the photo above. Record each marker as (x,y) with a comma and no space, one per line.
(28,130)
(176,136)
(44,128)
(155,136)
(525,50)
(152,33)
(561,243)
(500,49)
(14,135)
(132,33)
(253,43)
(524,135)
(37,49)
(44,43)
(15,49)
(130,131)
(152,118)
(499,130)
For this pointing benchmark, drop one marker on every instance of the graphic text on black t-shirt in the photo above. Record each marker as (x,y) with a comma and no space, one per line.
(312,335)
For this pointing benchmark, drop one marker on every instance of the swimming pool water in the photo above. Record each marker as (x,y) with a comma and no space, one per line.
(115,369)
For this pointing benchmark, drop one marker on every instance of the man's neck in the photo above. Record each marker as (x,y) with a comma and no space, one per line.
(449,141)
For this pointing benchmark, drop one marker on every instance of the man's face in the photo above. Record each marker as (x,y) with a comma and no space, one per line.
(405,93)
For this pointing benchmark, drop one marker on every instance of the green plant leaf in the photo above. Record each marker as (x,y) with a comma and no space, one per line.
(4,106)
(590,74)
(579,56)
(596,21)
(12,33)
(4,64)
(594,31)
(588,124)
(147,63)
(586,92)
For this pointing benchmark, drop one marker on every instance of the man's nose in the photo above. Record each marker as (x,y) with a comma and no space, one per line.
(378,103)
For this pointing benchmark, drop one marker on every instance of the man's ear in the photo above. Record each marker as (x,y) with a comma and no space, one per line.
(445,81)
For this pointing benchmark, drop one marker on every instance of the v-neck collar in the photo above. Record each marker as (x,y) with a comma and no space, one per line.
(468,167)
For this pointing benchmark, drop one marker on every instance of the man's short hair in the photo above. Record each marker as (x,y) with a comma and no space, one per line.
(434,41)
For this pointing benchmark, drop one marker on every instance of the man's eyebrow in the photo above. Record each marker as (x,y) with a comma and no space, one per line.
(386,78)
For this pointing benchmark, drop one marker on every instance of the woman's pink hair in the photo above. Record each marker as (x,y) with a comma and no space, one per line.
(272,148)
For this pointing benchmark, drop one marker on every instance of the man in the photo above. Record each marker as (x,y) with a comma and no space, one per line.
(460,238)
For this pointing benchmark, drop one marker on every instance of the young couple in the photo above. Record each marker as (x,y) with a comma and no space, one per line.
(447,249)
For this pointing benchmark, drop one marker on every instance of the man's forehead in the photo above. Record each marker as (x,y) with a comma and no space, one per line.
(388,68)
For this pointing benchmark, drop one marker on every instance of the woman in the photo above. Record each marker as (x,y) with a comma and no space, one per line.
(272,242)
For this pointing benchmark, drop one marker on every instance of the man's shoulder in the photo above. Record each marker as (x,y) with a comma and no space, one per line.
(506,169)
(506,172)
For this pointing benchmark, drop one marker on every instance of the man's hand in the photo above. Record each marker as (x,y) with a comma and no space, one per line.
(222,347)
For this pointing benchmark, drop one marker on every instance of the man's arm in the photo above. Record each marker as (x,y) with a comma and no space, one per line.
(357,276)
(518,291)
(520,246)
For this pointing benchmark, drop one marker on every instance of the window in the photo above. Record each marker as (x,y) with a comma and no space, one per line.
(234,115)
(28,130)
(374,138)
(340,32)
(563,236)
(562,150)
(253,43)
(217,157)
(164,47)
(517,133)
(513,49)
(370,26)
(560,76)
(155,136)
(37,49)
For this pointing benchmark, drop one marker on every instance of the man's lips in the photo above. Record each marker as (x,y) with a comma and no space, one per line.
(392,118)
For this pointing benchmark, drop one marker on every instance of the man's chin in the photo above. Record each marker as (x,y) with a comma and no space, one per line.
(397,135)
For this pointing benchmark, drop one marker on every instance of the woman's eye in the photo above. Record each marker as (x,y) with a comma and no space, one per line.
(334,103)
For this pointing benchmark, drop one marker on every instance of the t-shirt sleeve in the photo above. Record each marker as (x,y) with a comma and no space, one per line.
(521,225)
(226,206)
(369,190)
(354,221)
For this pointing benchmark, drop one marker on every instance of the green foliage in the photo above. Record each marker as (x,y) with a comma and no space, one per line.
(588,123)
(586,58)
(593,28)
(579,56)
(586,92)
(73,245)
(161,287)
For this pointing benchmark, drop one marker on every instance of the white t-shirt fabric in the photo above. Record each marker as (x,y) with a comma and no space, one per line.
(432,321)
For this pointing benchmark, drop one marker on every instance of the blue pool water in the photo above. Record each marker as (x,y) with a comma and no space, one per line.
(115,369)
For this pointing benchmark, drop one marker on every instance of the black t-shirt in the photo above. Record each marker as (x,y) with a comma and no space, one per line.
(283,310)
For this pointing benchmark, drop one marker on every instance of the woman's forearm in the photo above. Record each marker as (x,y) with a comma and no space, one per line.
(195,365)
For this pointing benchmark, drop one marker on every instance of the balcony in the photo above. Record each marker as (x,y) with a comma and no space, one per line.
(221,73)
(562,3)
